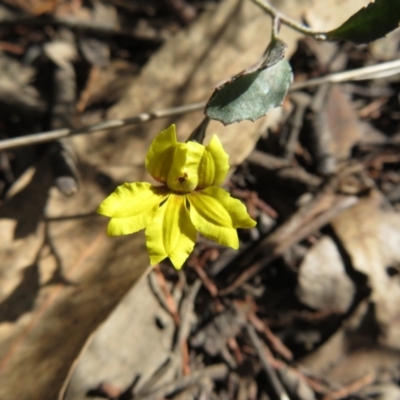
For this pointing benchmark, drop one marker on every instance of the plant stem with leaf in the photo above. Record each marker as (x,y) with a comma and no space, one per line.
(284,19)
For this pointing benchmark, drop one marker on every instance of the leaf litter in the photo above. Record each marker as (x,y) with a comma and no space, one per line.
(308,308)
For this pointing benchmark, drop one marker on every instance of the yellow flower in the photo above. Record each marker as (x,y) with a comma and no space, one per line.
(188,201)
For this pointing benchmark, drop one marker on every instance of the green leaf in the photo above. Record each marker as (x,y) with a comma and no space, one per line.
(252,93)
(370,23)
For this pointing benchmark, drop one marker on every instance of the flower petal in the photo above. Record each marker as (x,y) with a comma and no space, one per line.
(160,156)
(214,164)
(128,225)
(183,176)
(171,234)
(131,199)
(132,207)
(216,215)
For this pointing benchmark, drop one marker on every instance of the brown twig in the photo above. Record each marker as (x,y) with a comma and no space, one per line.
(214,372)
(353,387)
(233,345)
(284,170)
(284,19)
(371,72)
(198,263)
(169,300)
(306,221)
(280,365)
(302,101)
(259,203)
(372,108)
(208,284)
(87,91)
(276,343)
(258,346)
(48,136)
(321,135)
(12,48)
(184,328)
(185,358)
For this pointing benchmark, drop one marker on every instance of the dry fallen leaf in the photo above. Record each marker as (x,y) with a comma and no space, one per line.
(343,122)
(323,281)
(352,352)
(130,344)
(371,237)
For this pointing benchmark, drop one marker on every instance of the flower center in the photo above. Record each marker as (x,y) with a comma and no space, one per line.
(182,183)
(183,174)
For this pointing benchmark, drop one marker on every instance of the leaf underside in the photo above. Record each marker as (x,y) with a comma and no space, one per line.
(250,96)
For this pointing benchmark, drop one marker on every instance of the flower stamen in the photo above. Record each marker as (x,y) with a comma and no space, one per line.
(183,178)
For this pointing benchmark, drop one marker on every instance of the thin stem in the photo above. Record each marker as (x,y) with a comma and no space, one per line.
(48,136)
(284,19)
(199,134)
(376,71)
(371,72)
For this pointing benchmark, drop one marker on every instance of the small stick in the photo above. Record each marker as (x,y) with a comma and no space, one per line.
(185,358)
(209,285)
(258,346)
(376,71)
(280,365)
(92,28)
(284,169)
(276,343)
(12,48)
(353,387)
(371,72)
(260,204)
(321,135)
(214,372)
(48,136)
(186,309)
(302,101)
(233,345)
(87,91)
(169,300)
(302,224)
(372,107)
(284,19)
